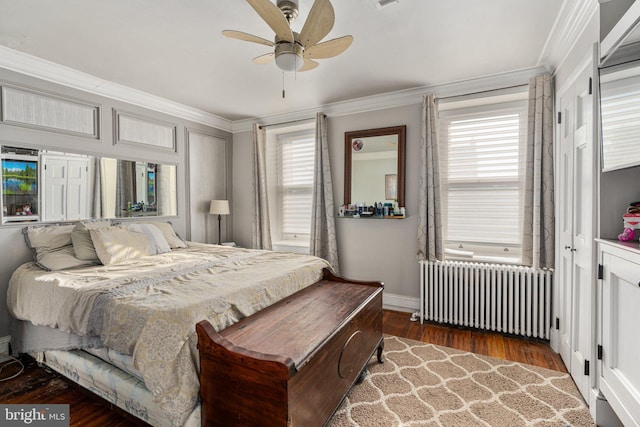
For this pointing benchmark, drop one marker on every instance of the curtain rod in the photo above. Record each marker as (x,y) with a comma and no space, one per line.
(287,123)
(481,92)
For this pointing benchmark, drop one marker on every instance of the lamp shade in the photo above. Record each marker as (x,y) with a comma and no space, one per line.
(219,207)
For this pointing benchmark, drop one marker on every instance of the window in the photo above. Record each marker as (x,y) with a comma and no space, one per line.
(482,152)
(291,176)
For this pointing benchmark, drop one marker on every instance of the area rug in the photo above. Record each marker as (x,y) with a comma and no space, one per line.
(421,384)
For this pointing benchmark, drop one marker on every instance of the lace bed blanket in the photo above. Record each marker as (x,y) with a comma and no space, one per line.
(148,307)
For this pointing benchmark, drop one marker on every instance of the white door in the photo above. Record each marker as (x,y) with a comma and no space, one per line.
(564,267)
(54,183)
(77,189)
(583,233)
(575,275)
(66,187)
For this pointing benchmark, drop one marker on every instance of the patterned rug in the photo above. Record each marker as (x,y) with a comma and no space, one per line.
(422,384)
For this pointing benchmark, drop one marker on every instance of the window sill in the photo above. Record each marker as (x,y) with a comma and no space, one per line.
(291,246)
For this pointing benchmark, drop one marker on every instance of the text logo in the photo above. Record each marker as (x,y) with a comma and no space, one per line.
(34,415)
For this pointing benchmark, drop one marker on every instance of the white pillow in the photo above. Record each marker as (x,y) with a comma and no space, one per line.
(157,242)
(170,234)
(118,244)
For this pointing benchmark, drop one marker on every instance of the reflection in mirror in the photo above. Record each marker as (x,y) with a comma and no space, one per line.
(132,189)
(374,165)
(45,186)
(20,171)
(620,115)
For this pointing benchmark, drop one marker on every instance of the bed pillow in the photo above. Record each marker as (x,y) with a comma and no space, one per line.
(157,242)
(81,239)
(52,248)
(170,234)
(117,244)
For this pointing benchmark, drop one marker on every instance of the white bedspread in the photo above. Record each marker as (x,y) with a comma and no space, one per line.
(148,307)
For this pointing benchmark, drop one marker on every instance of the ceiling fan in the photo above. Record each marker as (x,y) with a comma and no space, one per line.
(295,51)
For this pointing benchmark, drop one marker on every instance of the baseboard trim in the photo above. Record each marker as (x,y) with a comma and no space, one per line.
(400,303)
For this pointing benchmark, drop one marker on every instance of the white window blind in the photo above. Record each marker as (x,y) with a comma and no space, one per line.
(295,182)
(620,111)
(482,151)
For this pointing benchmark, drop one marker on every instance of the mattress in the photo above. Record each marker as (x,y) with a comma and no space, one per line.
(116,386)
(147,308)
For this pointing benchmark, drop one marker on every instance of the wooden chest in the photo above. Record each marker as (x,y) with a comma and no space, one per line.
(292,363)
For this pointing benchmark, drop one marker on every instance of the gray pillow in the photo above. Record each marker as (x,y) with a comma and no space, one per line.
(52,248)
(82,243)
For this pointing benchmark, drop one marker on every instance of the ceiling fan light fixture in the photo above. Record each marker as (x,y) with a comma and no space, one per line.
(289,56)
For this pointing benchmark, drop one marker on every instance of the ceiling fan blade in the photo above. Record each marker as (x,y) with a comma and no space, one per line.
(308,65)
(274,17)
(264,59)
(328,49)
(318,24)
(247,37)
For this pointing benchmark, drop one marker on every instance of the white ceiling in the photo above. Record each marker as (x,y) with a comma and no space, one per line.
(173,48)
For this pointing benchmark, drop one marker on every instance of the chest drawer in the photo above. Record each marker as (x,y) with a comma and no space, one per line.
(294,362)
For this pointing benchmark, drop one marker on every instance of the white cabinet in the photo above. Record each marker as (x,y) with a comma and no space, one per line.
(619,378)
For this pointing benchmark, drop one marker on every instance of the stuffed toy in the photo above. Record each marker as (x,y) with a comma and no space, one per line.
(631,221)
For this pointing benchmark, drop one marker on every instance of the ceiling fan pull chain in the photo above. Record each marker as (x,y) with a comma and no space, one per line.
(283,84)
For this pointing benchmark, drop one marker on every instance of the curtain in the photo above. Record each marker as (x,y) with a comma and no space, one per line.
(125,179)
(98,198)
(538,226)
(430,245)
(261,228)
(323,228)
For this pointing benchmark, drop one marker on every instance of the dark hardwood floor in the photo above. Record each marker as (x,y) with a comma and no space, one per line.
(516,349)
(40,385)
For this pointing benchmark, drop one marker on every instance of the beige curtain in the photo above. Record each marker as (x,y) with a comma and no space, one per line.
(261,229)
(323,228)
(538,227)
(430,246)
(98,211)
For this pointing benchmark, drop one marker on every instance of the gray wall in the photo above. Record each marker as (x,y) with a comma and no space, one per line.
(13,249)
(368,249)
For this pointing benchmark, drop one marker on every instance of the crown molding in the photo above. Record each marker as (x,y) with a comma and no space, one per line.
(397,99)
(36,67)
(33,66)
(572,20)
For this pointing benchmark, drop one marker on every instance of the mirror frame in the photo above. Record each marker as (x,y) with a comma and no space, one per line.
(401,131)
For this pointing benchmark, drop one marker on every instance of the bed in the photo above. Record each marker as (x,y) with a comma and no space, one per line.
(122,324)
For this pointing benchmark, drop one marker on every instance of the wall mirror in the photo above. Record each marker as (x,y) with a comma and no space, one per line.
(620,115)
(374,165)
(620,99)
(46,186)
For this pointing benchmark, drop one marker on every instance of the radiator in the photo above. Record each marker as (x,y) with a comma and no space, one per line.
(503,298)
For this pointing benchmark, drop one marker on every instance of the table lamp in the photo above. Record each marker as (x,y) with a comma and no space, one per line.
(219,207)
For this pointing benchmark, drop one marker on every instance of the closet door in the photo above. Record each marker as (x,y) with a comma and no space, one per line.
(583,234)
(564,191)
(575,275)
(77,189)
(54,184)
(66,188)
